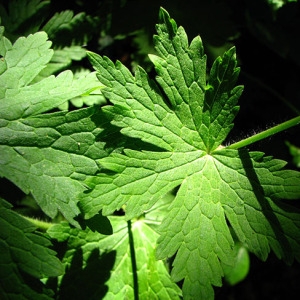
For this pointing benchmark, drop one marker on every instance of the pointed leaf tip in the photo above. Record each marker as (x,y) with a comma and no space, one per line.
(164,17)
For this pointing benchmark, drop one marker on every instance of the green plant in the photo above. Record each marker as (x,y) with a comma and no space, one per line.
(67,32)
(156,154)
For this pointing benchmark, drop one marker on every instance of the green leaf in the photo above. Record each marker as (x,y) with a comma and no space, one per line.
(61,59)
(206,107)
(135,268)
(186,117)
(23,17)
(24,252)
(295,152)
(67,29)
(21,64)
(52,168)
(68,32)
(47,155)
(32,51)
(240,269)
(90,98)
(59,20)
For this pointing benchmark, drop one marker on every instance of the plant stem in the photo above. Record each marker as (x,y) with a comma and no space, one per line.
(133,262)
(42,225)
(265,134)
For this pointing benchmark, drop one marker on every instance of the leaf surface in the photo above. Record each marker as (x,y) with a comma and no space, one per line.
(23,17)
(186,117)
(47,155)
(24,251)
(111,276)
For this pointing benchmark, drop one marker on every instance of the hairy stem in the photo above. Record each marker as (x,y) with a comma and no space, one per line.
(42,225)
(265,134)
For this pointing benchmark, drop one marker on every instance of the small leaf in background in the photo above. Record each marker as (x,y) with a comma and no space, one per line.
(239,270)
(23,17)
(295,152)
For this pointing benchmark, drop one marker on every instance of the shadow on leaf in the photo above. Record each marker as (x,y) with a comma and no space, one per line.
(266,208)
(97,223)
(87,281)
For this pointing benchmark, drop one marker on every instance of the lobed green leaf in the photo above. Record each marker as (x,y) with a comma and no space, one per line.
(186,117)
(22,17)
(47,155)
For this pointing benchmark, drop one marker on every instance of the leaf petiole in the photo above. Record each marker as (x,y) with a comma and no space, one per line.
(265,134)
(41,225)
(133,261)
